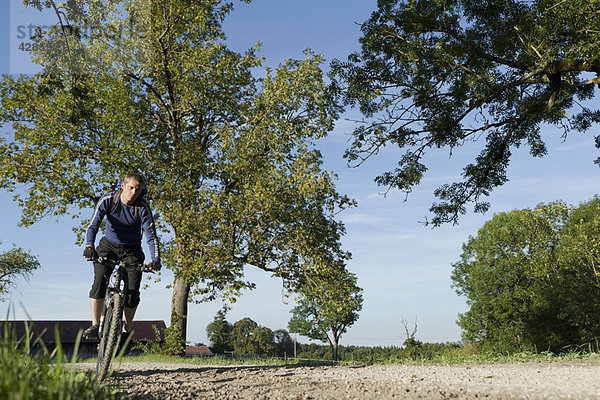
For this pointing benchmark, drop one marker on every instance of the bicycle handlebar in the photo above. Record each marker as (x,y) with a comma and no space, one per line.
(120,263)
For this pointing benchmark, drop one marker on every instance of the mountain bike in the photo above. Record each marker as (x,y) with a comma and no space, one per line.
(111,320)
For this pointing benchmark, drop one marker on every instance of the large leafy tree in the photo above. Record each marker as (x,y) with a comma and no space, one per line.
(529,279)
(150,85)
(15,263)
(579,280)
(436,74)
(327,306)
(503,271)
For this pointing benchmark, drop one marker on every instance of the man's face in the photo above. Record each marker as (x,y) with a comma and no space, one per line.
(131,190)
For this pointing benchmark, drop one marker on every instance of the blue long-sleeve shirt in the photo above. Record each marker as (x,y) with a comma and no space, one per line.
(123,226)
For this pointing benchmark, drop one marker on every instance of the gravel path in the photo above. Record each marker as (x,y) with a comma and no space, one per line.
(151,381)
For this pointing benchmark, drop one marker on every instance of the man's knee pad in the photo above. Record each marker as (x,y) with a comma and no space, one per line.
(132,299)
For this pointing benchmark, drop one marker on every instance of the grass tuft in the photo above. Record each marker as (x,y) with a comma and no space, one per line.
(44,375)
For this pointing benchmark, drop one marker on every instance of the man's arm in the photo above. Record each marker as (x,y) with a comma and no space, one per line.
(150,231)
(94,226)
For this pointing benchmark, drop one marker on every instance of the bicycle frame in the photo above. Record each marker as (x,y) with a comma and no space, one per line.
(111,289)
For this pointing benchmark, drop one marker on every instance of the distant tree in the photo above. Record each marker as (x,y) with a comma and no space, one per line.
(531,279)
(412,347)
(378,354)
(249,338)
(15,263)
(314,351)
(283,343)
(327,307)
(436,74)
(243,342)
(264,341)
(220,334)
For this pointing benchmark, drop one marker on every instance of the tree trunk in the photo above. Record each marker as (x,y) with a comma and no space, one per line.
(333,343)
(179,308)
(334,351)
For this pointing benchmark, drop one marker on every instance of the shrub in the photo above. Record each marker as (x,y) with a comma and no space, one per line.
(171,346)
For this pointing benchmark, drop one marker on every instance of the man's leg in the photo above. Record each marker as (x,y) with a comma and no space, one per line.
(133,256)
(97,292)
(96,306)
(129,314)
(91,333)
(132,297)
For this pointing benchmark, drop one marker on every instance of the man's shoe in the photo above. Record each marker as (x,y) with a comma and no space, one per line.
(91,333)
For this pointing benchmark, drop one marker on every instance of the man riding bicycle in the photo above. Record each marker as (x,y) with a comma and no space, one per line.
(127,213)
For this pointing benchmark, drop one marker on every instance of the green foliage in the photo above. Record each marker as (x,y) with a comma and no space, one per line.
(441,73)
(327,306)
(243,342)
(170,346)
(174,343)
(413,348)
(264,340)
(249,338)
(218,359)
(284,345)
(150,346)
(14,263)
(579,278)
(313,354)
(246,337)
(42,376)
(415,351)
(220,334)
(530,280)
(442,353)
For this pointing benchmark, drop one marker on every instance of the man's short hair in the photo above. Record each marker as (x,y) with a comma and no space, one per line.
(135,175)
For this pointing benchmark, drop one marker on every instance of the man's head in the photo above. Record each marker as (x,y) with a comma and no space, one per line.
(131,188)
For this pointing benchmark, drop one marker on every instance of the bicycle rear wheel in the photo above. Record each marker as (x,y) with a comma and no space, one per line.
(111,333)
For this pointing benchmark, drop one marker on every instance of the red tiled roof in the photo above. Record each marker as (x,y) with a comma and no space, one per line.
(198,350)
(68,330)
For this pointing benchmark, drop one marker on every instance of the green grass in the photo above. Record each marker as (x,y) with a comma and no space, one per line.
(455,358)
(461,356)
(45,376)
(455,355)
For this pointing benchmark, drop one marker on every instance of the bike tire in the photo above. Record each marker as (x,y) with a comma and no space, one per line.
(110,337)
(103,333)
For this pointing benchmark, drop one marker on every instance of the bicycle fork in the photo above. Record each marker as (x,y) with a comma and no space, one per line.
(108,302)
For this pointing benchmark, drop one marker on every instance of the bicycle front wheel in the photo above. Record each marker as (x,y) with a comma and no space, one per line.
(111,333)
(103,333)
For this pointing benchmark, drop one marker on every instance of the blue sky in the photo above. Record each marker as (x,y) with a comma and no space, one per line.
(403,267)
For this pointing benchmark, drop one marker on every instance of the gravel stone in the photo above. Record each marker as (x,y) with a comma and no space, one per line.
(165,381)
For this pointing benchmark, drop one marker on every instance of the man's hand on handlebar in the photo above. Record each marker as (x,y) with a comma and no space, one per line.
(155,266)
(89,253)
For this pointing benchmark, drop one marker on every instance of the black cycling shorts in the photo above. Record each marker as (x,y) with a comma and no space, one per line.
(132,256)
